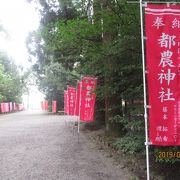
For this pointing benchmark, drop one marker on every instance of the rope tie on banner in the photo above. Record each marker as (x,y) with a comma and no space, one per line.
(146,71)
(147,143)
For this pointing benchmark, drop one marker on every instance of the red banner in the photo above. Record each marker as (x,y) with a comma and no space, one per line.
(65,99)
(6,107)
(44,105)
(66,102)
(163,63)
(72,98)
(78,92)
(20,107)
(10,106)
(88,97)
(3,107)
(54,106)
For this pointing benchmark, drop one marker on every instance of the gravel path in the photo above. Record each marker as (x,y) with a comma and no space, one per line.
(37,146)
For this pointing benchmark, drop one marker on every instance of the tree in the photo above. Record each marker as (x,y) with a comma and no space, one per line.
(9,79)
(106,47)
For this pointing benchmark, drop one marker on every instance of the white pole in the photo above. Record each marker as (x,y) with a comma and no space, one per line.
(76,107)
(79,108)
(64,111)
(144,82)
(69,119)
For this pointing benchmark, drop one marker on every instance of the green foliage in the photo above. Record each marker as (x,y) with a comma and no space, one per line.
(55,81)
(9,78)
(103,45)
(131,143)
(130,124)
(132,132)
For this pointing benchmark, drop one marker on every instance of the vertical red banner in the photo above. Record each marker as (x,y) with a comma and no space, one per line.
(66,102)
(163,73)
(20,107)
(72,98)
(54,106)
(65,99)
(10,107)
(44,105)
(78,91)
(14,106)
(3,107)
(6,107)
(88,97)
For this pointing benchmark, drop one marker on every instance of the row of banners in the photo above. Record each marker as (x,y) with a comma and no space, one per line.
(10,107)
(163,73)
(80,101)
(44,106)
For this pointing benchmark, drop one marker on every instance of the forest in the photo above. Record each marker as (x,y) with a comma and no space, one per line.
(101,38)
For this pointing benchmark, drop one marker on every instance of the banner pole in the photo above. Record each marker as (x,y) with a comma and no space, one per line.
(79,108)
(69,119)
(144,83)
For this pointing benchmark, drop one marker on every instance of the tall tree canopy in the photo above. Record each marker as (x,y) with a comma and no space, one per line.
(94,38)
(9,79)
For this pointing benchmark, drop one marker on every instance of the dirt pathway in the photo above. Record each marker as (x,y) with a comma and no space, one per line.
(37,146)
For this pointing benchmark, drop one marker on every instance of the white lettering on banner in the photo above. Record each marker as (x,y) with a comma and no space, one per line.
(158,139)
(178,49)
(176,23)
(167,40)
(158,22)
(89,88)
(165,109)
(166,76)
(165,129)
(88,99)
(166,96)
(159,128)
(163,36)
(166,59)
(162,128)
(88,93)
(87,105)
(165,138)
(165,117)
